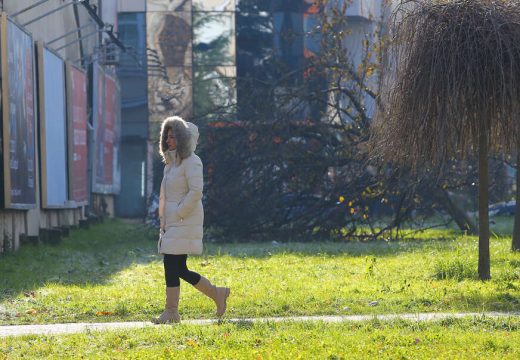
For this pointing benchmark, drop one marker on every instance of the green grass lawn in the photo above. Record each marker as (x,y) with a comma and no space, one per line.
(482,338)
(112,273)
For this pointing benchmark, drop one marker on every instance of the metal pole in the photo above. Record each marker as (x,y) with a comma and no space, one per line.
(70,32)
(52,11)
(88,59)
(29,8)
(93,14)
(97,19)
(78,40)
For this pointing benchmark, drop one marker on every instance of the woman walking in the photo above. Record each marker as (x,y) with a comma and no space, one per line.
(181,216)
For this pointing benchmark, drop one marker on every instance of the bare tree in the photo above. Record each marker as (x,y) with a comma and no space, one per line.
(456,88)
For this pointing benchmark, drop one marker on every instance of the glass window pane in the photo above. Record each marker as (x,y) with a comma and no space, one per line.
(254,44)
(132,32)
(287,5)
(288,38)
(214,5)
(214,38)
(168,5)
(214,93)
(169,36)
(312,40)
(249,6)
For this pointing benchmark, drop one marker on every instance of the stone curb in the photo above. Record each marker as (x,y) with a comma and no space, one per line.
(71,328)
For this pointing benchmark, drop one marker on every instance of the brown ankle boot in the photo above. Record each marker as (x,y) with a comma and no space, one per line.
(218,294)
(171,311)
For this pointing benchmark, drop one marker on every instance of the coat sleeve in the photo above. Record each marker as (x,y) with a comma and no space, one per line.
(162,204)
(195,184)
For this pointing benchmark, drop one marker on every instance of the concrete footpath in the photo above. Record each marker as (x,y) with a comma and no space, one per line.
(57,329)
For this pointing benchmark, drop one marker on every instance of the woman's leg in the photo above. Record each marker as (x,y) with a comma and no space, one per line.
(218,294)
(184,273)
(171,275)
(172,266)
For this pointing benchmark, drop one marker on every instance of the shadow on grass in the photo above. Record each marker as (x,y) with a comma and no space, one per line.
(93,256)
(85,257)
(378,248)
(414,240)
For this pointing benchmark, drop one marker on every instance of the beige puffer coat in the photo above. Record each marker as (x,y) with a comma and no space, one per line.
(180,203)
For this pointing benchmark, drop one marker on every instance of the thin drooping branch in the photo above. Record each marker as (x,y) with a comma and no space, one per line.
(457,73)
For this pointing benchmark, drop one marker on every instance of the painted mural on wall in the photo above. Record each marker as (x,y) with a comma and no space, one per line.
(168,5)
(170,81)
(191,58)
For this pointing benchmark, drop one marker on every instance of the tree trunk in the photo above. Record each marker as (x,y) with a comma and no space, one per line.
(515,245)
(458,215)
(484,271)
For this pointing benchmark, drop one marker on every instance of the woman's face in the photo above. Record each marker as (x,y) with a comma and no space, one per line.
(170,140)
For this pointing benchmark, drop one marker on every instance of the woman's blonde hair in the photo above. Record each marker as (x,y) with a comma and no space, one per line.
(182,136)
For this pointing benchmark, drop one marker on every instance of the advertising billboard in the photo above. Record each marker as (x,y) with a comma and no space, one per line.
(53,129)
(18,117)
(106,124)
(77,134)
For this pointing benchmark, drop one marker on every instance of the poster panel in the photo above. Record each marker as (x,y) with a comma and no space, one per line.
(98,107)
(53,129)
(108,139)
(106,123)
(18,128)
(77,134)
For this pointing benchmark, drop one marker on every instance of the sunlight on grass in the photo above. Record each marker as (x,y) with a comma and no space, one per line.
(112,273)
(483,338)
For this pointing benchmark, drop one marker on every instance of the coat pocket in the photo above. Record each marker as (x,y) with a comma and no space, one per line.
(172,214)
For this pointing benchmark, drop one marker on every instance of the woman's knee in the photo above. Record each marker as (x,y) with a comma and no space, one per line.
(172,281)
(190,277)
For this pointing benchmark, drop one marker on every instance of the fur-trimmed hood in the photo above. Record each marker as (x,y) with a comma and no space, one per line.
(186,135)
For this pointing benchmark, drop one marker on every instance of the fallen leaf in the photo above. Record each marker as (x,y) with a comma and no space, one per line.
(32,312)
(192,343)
(226,335)
(104,313)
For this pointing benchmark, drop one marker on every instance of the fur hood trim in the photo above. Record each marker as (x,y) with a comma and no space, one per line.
(186,135)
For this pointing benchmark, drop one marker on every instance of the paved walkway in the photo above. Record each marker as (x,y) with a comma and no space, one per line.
(56,329)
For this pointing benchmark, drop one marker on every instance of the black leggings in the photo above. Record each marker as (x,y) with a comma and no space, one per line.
(175,269)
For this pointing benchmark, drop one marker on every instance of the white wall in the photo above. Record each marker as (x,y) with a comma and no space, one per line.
(54,25)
